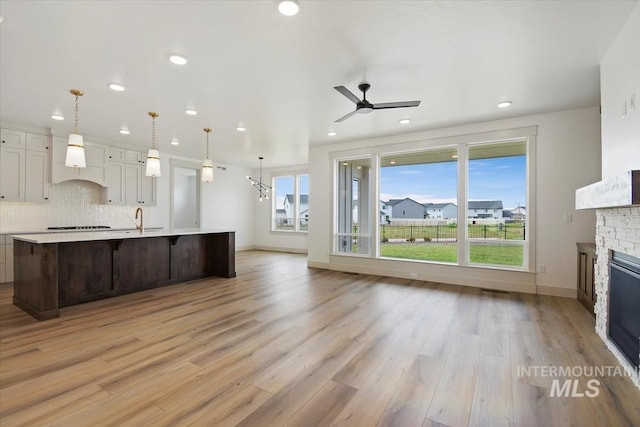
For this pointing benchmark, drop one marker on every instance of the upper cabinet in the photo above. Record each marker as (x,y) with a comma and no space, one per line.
(96,158)
(24,166)
(127,182)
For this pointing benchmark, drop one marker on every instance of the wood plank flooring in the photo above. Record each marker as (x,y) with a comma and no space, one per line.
(285,345)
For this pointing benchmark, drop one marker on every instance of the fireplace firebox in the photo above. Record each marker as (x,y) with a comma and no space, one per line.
(624,305)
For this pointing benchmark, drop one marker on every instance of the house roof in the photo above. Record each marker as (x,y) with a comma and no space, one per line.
(437,205)
(304,198)
(485,204)
(394,202)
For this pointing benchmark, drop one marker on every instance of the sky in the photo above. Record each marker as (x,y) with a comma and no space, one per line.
(502,178)
(284,185)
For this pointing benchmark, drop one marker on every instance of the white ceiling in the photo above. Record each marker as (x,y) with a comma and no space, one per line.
(275,74)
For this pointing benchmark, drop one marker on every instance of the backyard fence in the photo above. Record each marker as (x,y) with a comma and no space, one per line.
(449,233)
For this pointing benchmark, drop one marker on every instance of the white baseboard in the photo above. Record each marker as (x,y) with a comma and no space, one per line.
(281,249)
(477,282)
(555,291)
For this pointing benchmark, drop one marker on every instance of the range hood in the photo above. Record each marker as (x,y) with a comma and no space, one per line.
(617,191)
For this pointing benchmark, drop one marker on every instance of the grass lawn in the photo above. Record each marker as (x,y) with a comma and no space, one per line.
(495,254)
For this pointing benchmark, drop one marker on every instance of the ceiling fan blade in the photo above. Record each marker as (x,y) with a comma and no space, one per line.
(396,105)
(346,116)
(346,92)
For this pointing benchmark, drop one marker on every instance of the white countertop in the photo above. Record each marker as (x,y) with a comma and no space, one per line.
(87,236)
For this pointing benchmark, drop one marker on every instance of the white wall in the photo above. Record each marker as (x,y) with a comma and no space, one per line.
(272,240)
(227,203)
(568,157)
(619,81)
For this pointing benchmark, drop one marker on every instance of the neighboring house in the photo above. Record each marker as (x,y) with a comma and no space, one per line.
(519,213)
(304,217)
(386,212)
(406,209)
(441,210)
(288,206)
(485,209)
(281,217)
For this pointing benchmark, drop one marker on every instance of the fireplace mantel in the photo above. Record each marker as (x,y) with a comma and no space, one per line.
(618,191)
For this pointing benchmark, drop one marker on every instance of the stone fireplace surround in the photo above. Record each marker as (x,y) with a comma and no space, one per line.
(617,204)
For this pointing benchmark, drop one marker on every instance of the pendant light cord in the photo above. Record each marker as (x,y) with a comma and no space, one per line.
(153,132)
(77,115)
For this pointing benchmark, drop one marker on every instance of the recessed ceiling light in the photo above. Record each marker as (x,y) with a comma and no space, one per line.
(178,60)
(454,156)
(504,104)
(331,133)
(57,117)
(358,167)
(125,131)
(392,162)
(240,128)
(175,141)
(405,121)
(116,87)
(288,7)
(190,112)
(345,164)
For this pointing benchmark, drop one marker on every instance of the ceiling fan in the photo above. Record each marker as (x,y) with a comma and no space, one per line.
(364,106)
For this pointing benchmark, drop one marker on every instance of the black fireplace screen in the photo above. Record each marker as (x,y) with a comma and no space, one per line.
(624,305)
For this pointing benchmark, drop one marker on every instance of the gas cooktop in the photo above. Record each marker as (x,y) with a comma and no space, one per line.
(80,227)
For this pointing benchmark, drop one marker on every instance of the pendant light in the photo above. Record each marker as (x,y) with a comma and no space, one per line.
(153,158)
(75,148)
(207,165)
(263,189)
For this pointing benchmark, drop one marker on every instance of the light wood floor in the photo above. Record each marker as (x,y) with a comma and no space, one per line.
(284,345)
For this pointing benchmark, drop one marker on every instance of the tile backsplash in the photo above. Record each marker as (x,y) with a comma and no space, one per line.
(72,203)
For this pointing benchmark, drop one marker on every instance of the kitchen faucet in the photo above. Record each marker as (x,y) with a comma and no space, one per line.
(141,226)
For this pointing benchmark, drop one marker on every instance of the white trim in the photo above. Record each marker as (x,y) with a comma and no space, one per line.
(280,249)
(556,291)
(477,277)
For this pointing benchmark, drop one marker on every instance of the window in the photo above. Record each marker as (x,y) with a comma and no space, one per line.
(497,181)
(420,181)
(290,203)
(354,221)
(464,203)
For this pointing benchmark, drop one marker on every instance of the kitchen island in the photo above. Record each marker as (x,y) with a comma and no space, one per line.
(54,270)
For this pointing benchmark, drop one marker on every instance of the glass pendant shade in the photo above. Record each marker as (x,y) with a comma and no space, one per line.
(153,163)
(75,152)
(75,147)
(153,157)
(207,171)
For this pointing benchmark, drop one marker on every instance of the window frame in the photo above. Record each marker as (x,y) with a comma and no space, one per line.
(527,134)
(296,201)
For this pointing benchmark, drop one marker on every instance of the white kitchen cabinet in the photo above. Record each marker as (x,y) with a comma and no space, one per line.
(116,154)
(134,157)
(24,167)
(37,176)
(139,188)
(37,142)
(6,258)
(116,178)
(13,138)
(12,174)
(96,159)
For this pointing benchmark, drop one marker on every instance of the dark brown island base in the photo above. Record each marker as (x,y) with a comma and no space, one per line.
(63,269)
